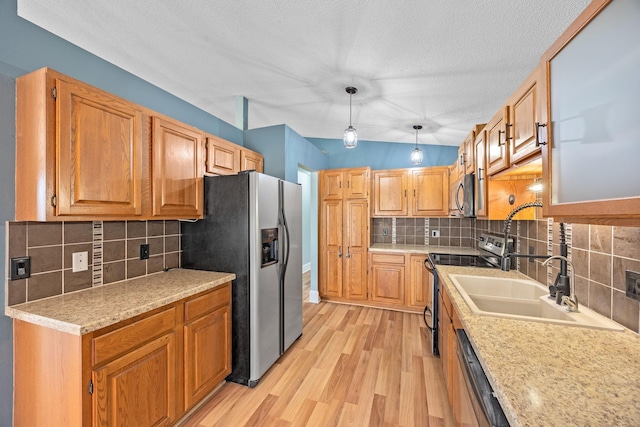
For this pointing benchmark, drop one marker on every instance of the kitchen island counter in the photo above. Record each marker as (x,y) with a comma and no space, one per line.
(91,309)
(552,375)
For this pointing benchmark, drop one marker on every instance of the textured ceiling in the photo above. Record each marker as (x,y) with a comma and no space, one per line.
(444,64)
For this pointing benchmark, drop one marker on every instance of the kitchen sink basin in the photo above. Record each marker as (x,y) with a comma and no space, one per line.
(523,300)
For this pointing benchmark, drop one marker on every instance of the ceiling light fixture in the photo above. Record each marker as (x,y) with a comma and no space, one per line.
(350,137)
(416,154)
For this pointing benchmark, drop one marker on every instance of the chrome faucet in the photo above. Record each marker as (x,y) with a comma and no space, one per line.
(564,284)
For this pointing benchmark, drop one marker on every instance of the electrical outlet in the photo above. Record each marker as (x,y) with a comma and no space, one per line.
(80,261)
(385,231)
(532,251)
(435,233)
(144,251)
(20,268)
(633,284)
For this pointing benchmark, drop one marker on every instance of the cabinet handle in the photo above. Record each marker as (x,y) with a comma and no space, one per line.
(500,132)
(506,131)
(348,255)
(462,161)
(340,184)
(348,184)
(480,178)
(538,126)
(414,192)
(339,251)
(405,193)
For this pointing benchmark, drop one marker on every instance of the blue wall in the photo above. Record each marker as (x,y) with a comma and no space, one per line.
(284,150)
(382,155)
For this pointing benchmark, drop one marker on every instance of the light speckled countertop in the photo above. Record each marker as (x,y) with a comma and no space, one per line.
(422,249)
(553,375)
(94,308)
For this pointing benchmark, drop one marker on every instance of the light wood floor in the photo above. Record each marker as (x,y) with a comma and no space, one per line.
(353,366)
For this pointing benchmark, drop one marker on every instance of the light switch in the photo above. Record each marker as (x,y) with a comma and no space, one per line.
(80,261)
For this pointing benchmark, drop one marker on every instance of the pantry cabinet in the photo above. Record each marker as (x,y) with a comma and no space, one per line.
(344,233)
(417,192)
(85,154)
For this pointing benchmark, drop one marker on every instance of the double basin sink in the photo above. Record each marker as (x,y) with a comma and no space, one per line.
(524,300)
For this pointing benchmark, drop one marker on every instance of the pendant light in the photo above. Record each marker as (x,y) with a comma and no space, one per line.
(350,137)
(416,154)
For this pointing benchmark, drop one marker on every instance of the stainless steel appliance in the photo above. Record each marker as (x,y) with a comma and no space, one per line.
(253,227)
(464,196)
(477,391)
(490,249)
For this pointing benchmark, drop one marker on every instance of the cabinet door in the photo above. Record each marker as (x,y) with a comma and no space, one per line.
(497,151)
(430,191)
(420,283)
(390,193)
(332,249)
(207,354)
(356,220)
(99,152)
(468,153)
(223,157)
(357,182)
(250,160)
(331,185)
(387,283)
(139,388)
(482,187)
(523,107)
(177,170)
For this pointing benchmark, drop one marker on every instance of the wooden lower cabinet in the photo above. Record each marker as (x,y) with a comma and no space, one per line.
(137,388)
(388,278)
(146,371)
(420,283)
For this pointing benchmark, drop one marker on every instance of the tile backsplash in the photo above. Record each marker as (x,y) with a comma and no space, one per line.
(600,254)
(113,249)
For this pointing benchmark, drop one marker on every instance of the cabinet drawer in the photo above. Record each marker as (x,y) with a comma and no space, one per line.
(387,258)
(128,337)
(207,302)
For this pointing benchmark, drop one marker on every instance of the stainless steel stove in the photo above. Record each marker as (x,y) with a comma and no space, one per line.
(490,249)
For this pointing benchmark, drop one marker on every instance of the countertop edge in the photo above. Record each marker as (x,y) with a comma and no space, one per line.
(24,312)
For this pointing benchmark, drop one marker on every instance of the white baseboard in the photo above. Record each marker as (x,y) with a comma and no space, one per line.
(306,267)
(314,297)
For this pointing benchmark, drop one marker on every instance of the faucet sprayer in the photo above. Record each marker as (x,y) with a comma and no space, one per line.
(507,251)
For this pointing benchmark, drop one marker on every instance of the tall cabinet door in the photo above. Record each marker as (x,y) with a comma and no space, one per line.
(332,253)
(177,169)
(482,190)
(91,181)
(356,241)
(139,388)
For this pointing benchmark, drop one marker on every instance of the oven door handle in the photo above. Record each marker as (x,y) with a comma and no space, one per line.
(428,264)
(427,313)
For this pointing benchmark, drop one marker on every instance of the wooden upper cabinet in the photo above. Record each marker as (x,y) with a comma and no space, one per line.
(497,134)
(250,160)
(390,189)
(430,191)
(481,190)
(468,152)
(177,169)
(79,151)
(524,109)
(223,157)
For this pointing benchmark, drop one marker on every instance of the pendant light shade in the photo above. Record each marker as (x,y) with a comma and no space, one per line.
(416,154)
(350,137)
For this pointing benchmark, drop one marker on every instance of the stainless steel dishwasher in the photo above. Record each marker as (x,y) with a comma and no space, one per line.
(486,408)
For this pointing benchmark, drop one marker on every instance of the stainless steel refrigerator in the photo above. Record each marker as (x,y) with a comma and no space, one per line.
(252,227)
